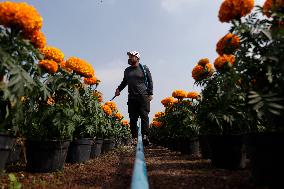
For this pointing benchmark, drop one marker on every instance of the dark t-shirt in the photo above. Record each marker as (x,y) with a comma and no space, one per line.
(135,79)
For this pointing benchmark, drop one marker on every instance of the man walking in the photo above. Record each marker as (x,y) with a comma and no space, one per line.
(140,91)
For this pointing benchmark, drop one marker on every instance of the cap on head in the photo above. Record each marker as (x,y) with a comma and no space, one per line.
(134,53)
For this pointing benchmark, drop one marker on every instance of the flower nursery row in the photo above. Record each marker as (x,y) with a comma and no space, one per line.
(240,112)
(49,102)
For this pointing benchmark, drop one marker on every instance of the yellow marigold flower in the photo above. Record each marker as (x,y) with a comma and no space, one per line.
(156,124)
(193,95)
(235,9)
(228,44)
(90,81)
(168,101)
(37,39)
(203,61)
(99,95)
(112,105)
(118,116)
(179,94)
(21,16)
(80,67)
(221,61)
(125,122)
(49,66)
(272,6)
(53,53)
(107,110)
(159,114)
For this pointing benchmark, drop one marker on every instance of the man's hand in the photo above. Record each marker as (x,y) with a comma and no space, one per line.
(117,92)
(150,97)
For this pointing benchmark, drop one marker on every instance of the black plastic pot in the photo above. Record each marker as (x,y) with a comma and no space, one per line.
(267,158)
(108,145)
(46,156)
(227,151)
(96,148)
(6,143)
(14,155)
(188,146)
(79,150)
(204,146)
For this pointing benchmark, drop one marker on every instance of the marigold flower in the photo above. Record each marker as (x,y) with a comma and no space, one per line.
(53,53)
(50,101)
(37,39)
(235,9)
(193,95)
(203,62)
(20,16)
(179,94)
(159,114)
(156,124)
(201,72)
(125,122)
(228,44)
(118,116)
(112,105)
(63,66)
(107,110)
(49,66)
(221,61)
(80,67)
(272,6)
(99,95)
(90,81)
(168,101)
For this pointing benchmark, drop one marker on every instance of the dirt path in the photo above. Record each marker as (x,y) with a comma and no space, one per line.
(166,169)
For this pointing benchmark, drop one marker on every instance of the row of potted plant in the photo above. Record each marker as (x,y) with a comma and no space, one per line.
(45,99)
(241,107)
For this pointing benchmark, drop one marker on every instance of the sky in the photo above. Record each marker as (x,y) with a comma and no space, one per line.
(171,36)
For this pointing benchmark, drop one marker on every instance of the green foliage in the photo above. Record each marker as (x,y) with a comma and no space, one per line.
(18,76)
(179,121)
(14,183)
(261,64)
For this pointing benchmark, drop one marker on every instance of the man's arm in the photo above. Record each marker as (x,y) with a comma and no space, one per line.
(150,82)
(123,83)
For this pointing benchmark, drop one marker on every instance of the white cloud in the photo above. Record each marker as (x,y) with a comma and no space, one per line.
(175,5)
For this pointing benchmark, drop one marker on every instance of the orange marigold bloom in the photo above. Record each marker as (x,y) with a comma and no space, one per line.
(21,16)
(193,95)
(203,62)
(228,44)
(200,72)
(159,114)
(221,61)
(99,95)
(53,53)
(107,110)
(90,81)
(49,66)
(235,9)
(168,101)
(272,5)
(179,94)
(156,124)
(80,67)
(112,105)
(118,116)
(63,66)
(50,101)
(125,122)
(37,39)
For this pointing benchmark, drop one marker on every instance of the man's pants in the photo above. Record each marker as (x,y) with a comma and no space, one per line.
(139,107)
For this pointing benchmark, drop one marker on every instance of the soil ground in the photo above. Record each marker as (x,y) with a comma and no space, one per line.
(113,170)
